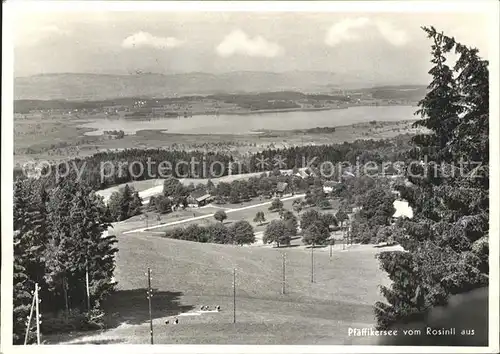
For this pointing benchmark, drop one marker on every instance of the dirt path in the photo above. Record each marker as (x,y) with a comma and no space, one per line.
(208,215)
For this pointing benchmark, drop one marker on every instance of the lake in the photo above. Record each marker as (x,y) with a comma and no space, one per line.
(252,123)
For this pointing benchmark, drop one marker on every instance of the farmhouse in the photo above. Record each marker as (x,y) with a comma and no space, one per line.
(305,173)
(402,209)
(329,186)
(204,199)
(281,188)
(199,198)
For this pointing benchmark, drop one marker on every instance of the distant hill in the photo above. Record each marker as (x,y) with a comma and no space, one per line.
(404,92)
(101,86)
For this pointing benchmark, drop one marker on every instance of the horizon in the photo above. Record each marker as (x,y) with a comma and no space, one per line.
(403,83)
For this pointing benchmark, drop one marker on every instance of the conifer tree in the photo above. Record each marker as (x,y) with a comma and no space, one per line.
(30,238)
(126,200)
(22,297)
(447,240)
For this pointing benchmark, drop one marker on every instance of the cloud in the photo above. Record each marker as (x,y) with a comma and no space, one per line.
(345,31)
(238,42)
(350,30)
(145,39)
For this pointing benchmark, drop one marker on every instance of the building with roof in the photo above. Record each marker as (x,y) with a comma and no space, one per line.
(281,188)
(199,198)
(403,209)
(329,186)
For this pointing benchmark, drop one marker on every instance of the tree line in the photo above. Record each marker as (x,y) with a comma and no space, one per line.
(110,168)
(238,233)
(59,241)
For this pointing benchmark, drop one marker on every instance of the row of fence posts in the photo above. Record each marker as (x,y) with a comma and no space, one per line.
(36,300)
(283,286)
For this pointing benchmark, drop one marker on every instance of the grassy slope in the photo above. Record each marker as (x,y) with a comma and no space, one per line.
(246,214)
(187,275)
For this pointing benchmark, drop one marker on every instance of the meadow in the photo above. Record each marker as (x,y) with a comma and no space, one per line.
(187,275)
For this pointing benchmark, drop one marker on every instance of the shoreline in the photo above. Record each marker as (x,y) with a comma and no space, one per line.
(257,132)
(263,111)
(264,131)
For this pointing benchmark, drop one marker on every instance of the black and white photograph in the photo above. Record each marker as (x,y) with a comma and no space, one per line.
(285,177)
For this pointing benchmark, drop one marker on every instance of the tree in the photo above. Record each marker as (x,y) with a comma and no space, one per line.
(220,215)
(378,206)
(315,234)
(291,227)
(124,203)
(152,203)
(210,187)
(385,234)
(223,189)
(297,206)
(329,220)
(169,186)
(190,188)
(316,196)
(180,195)
(219,199)
(276,205)
(97,251)
(362,232)
(162,204)
(253,186)
(446,242)
(242,232)
(77,220)
(126,200)
(265,186)
(174,189)
(219,233)
(31,226)
(324,204)
(30,238)
(341,216)
(308,218)
(234,196)
(308,198)
(22,300)
(195,233)
(291,222)
(114,205)
(277,232)
(135,205)
(176,233)
(259,217)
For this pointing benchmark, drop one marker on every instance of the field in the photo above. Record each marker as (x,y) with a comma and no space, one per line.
(58,138)
(202,216)
(186,275)
(238,212)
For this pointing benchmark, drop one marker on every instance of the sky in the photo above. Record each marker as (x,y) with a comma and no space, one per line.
(390,44)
